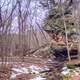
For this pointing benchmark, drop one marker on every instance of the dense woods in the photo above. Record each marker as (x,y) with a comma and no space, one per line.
(63,18)
(38,38)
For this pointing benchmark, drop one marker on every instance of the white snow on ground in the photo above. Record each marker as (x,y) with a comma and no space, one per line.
(38,78)
(71,72)
(35,69)
(65,71)
(17,70)
(32,69)
(13,76)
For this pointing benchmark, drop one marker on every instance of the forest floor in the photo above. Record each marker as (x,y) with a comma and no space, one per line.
(31,69)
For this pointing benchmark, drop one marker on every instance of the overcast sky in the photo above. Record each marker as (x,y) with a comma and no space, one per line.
(36,12)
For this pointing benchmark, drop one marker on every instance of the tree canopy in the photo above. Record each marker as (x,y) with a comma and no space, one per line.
(54,20)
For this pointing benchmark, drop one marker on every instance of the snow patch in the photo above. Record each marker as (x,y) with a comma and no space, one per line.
(32,69)
(39,78)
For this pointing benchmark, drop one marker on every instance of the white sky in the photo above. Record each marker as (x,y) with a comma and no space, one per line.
(36,14)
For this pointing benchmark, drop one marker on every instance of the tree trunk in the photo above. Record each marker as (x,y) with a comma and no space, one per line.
(66,33)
